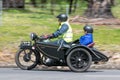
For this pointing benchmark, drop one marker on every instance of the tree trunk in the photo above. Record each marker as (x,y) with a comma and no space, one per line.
(75,5)
(52,6)
(13,3)
(70,6)
(43,2)
(33,2)
(99,9)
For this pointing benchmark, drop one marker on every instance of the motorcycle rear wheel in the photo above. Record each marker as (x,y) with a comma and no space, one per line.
(26,59)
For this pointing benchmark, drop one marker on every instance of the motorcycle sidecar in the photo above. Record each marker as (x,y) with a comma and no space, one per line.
(77,57)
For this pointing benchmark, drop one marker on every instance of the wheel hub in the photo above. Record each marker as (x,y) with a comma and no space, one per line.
(79,59)
(26,58)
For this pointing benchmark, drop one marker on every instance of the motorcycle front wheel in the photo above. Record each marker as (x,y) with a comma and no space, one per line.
(26,59)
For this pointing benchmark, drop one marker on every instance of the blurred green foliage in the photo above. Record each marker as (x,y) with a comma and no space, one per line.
(18,24)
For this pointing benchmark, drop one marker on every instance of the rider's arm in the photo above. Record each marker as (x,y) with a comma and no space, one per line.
(61,31)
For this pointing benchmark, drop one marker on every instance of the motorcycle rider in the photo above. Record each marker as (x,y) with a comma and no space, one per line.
(87,38)
(64,32)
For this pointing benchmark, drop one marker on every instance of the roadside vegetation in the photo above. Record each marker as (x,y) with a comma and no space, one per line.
(18,24)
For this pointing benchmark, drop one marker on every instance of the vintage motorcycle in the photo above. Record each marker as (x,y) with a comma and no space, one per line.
(38,51)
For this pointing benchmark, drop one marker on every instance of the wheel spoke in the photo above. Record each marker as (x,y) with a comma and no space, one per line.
(32,60)
(74,65)
(73,62)
(81,63)
(83,57)
(73,58)
(25,51)
(78,53)
(77,65)
(85,64)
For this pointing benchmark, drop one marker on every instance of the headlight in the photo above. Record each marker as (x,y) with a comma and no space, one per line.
(33,36)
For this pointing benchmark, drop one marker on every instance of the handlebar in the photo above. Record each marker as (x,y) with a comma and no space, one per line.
(35,37)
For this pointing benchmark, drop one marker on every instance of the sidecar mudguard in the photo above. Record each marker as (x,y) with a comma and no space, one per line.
(103,57)
(92,53)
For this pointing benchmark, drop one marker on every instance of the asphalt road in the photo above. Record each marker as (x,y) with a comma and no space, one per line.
(37,74)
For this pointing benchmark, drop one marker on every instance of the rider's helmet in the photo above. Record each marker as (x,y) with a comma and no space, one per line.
(62,17)
(88,29)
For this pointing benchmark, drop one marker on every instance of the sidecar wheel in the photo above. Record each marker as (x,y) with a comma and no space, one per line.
(79,60)
(26,59)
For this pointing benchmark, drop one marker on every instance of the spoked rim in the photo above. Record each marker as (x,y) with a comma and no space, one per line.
(26,59)
(79,60)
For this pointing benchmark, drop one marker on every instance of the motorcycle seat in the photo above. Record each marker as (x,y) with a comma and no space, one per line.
(91,45)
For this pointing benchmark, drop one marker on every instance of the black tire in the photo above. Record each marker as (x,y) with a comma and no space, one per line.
(79,60)
(26,63)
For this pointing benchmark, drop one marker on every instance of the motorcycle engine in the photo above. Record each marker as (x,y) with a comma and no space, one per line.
(49,62)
